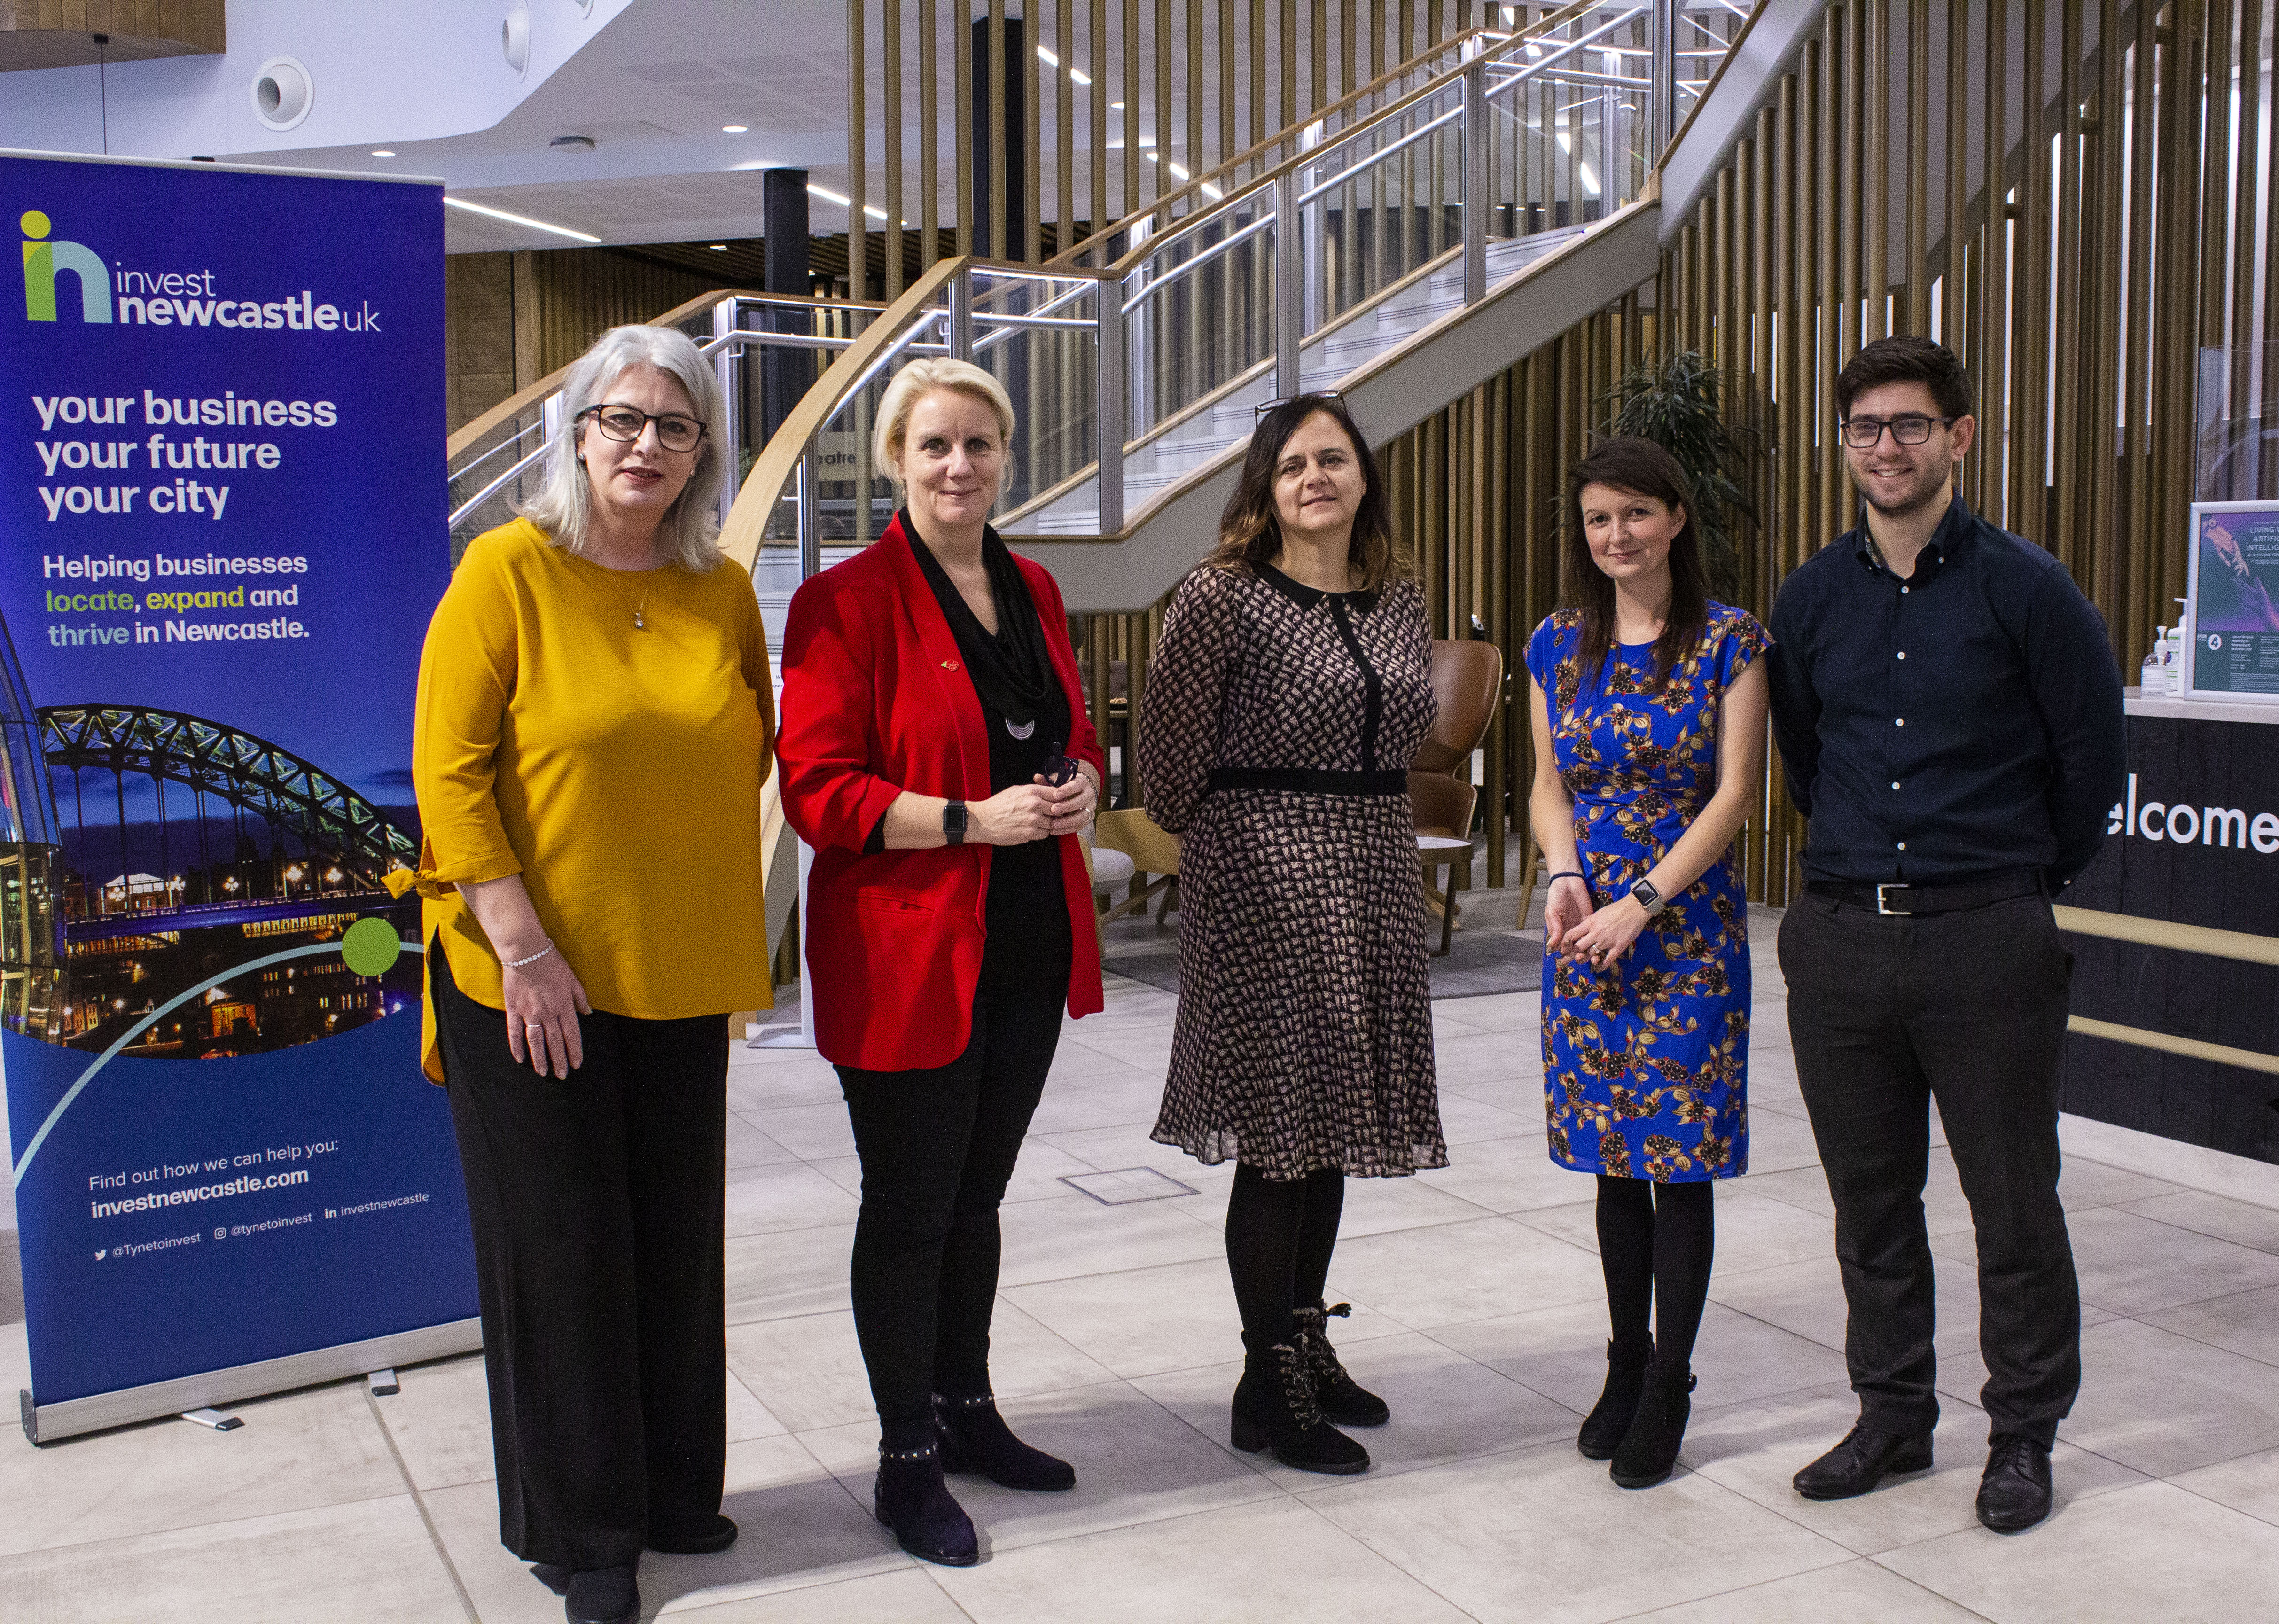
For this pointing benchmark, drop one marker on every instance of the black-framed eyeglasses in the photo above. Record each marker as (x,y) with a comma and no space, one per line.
(1910,428)
(674,431)
(1259,411)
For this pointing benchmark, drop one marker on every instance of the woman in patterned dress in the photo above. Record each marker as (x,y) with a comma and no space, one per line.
(1649,714)
(1291,688)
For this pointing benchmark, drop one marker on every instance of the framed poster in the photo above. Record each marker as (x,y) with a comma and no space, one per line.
(2233,602)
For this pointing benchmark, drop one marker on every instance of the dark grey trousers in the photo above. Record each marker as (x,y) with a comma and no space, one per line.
(1969,1010)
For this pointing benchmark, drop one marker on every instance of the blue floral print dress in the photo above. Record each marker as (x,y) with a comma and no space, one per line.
(1646,1063)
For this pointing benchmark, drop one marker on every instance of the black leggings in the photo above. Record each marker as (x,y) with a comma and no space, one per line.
(1279,1235)
(937,1146)
(1655,1244)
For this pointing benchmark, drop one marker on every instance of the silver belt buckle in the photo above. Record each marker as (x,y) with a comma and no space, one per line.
(1891,913)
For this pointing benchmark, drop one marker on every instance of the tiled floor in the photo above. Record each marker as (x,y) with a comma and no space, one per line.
(1477,1311)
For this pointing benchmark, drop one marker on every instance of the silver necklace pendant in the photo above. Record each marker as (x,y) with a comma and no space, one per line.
(1022,730)
(639,623)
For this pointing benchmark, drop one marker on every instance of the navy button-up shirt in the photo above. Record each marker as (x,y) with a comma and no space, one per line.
(1964,722)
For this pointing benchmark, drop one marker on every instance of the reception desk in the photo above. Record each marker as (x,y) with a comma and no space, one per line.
(2174,930)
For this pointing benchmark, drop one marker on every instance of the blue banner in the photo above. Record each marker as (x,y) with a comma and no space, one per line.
(221,533)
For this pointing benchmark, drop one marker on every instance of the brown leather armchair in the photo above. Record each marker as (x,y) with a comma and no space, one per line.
(1467,678)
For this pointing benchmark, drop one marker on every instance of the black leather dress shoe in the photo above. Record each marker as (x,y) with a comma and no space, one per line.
(1863,1459)
(603,1596)
(2014,1494)
(715,1533)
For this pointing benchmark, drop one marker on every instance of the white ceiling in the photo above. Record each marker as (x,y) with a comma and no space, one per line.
(650,81)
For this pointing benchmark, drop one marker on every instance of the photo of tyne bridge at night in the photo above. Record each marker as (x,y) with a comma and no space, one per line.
(143,852)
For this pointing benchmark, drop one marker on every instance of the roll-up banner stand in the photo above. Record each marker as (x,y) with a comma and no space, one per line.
(221,535)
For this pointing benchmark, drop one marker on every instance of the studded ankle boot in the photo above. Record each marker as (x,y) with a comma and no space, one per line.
(913,1501)
(974,1437)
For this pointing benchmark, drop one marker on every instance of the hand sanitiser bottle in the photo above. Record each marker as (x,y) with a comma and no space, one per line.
(2152,678)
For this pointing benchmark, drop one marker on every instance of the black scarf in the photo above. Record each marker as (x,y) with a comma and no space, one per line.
(1012,670)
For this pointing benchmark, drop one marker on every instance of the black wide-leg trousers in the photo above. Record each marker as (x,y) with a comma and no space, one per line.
(1969,1008)
(937,1146)
(596,1207)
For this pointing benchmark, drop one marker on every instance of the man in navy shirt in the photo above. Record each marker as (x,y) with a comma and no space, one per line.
(1949,717)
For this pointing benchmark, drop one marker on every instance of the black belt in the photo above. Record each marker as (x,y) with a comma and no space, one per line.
(1906,901)
(1309,781)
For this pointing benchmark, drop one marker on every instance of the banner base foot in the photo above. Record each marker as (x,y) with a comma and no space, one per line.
(383,1383)
(220,1421)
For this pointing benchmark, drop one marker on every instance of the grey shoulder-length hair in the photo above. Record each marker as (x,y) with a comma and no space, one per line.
(564,506)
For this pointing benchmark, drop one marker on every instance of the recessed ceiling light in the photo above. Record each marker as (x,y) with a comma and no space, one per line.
(719,248)
(733,129)
(382,152)
(518,219)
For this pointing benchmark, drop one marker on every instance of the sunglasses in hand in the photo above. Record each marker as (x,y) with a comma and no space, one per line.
(1058,769)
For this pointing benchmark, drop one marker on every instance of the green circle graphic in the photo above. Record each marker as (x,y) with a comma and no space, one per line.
(370,946)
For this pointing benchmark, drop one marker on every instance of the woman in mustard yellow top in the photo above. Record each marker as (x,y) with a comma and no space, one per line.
(595,723)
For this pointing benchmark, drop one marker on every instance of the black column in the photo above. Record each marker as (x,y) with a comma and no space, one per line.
(1011,108)
(784,228)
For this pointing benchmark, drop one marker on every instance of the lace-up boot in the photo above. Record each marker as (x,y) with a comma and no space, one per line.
(974,1437)
(1343,1400)
(1609,1420)
(1275,1407)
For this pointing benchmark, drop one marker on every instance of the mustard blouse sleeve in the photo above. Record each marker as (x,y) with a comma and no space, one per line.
(467,679)
(752,637)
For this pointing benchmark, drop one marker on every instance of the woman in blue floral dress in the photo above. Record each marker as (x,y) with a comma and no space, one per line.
(1649,716)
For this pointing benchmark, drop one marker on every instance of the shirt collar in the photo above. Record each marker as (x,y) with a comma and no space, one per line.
(1954,529)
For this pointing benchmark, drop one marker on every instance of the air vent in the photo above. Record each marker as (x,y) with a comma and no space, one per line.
(572,143)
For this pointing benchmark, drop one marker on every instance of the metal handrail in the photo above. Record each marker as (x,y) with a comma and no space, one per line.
(508,444)
(1194,264)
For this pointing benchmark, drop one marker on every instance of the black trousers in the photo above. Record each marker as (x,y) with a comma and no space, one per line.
(596,1207)
(1969,1010)
(938,1145)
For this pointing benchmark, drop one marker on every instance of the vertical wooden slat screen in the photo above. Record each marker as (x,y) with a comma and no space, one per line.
(2049,187)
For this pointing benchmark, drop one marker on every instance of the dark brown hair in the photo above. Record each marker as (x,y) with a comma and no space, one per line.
(1642,468)
(1249,533)
(1905,359)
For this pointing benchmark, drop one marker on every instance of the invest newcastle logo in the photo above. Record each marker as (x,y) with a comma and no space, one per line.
(116,295)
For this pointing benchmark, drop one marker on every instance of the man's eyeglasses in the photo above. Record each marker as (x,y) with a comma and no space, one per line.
(674,432)
(1907,429)
(1259,411)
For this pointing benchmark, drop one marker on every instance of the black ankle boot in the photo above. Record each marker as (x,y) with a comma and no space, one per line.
(913,1501)
(1648,1451)
(975,1438)
(1343,1400)
(1610,1417)
(1275,1407)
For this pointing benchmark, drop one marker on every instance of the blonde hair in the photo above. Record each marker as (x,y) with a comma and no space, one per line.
(916,381)
(564,506)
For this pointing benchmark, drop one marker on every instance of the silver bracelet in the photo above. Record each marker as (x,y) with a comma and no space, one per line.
(534,958)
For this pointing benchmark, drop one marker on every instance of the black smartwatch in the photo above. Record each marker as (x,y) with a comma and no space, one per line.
(953,822)
(1647,897)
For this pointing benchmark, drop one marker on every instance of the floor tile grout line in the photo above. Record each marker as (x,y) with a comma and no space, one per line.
(1392,1562)
(420,1503)
(2211,1500)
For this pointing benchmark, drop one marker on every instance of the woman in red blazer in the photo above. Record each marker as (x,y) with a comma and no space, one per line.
(936,754)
